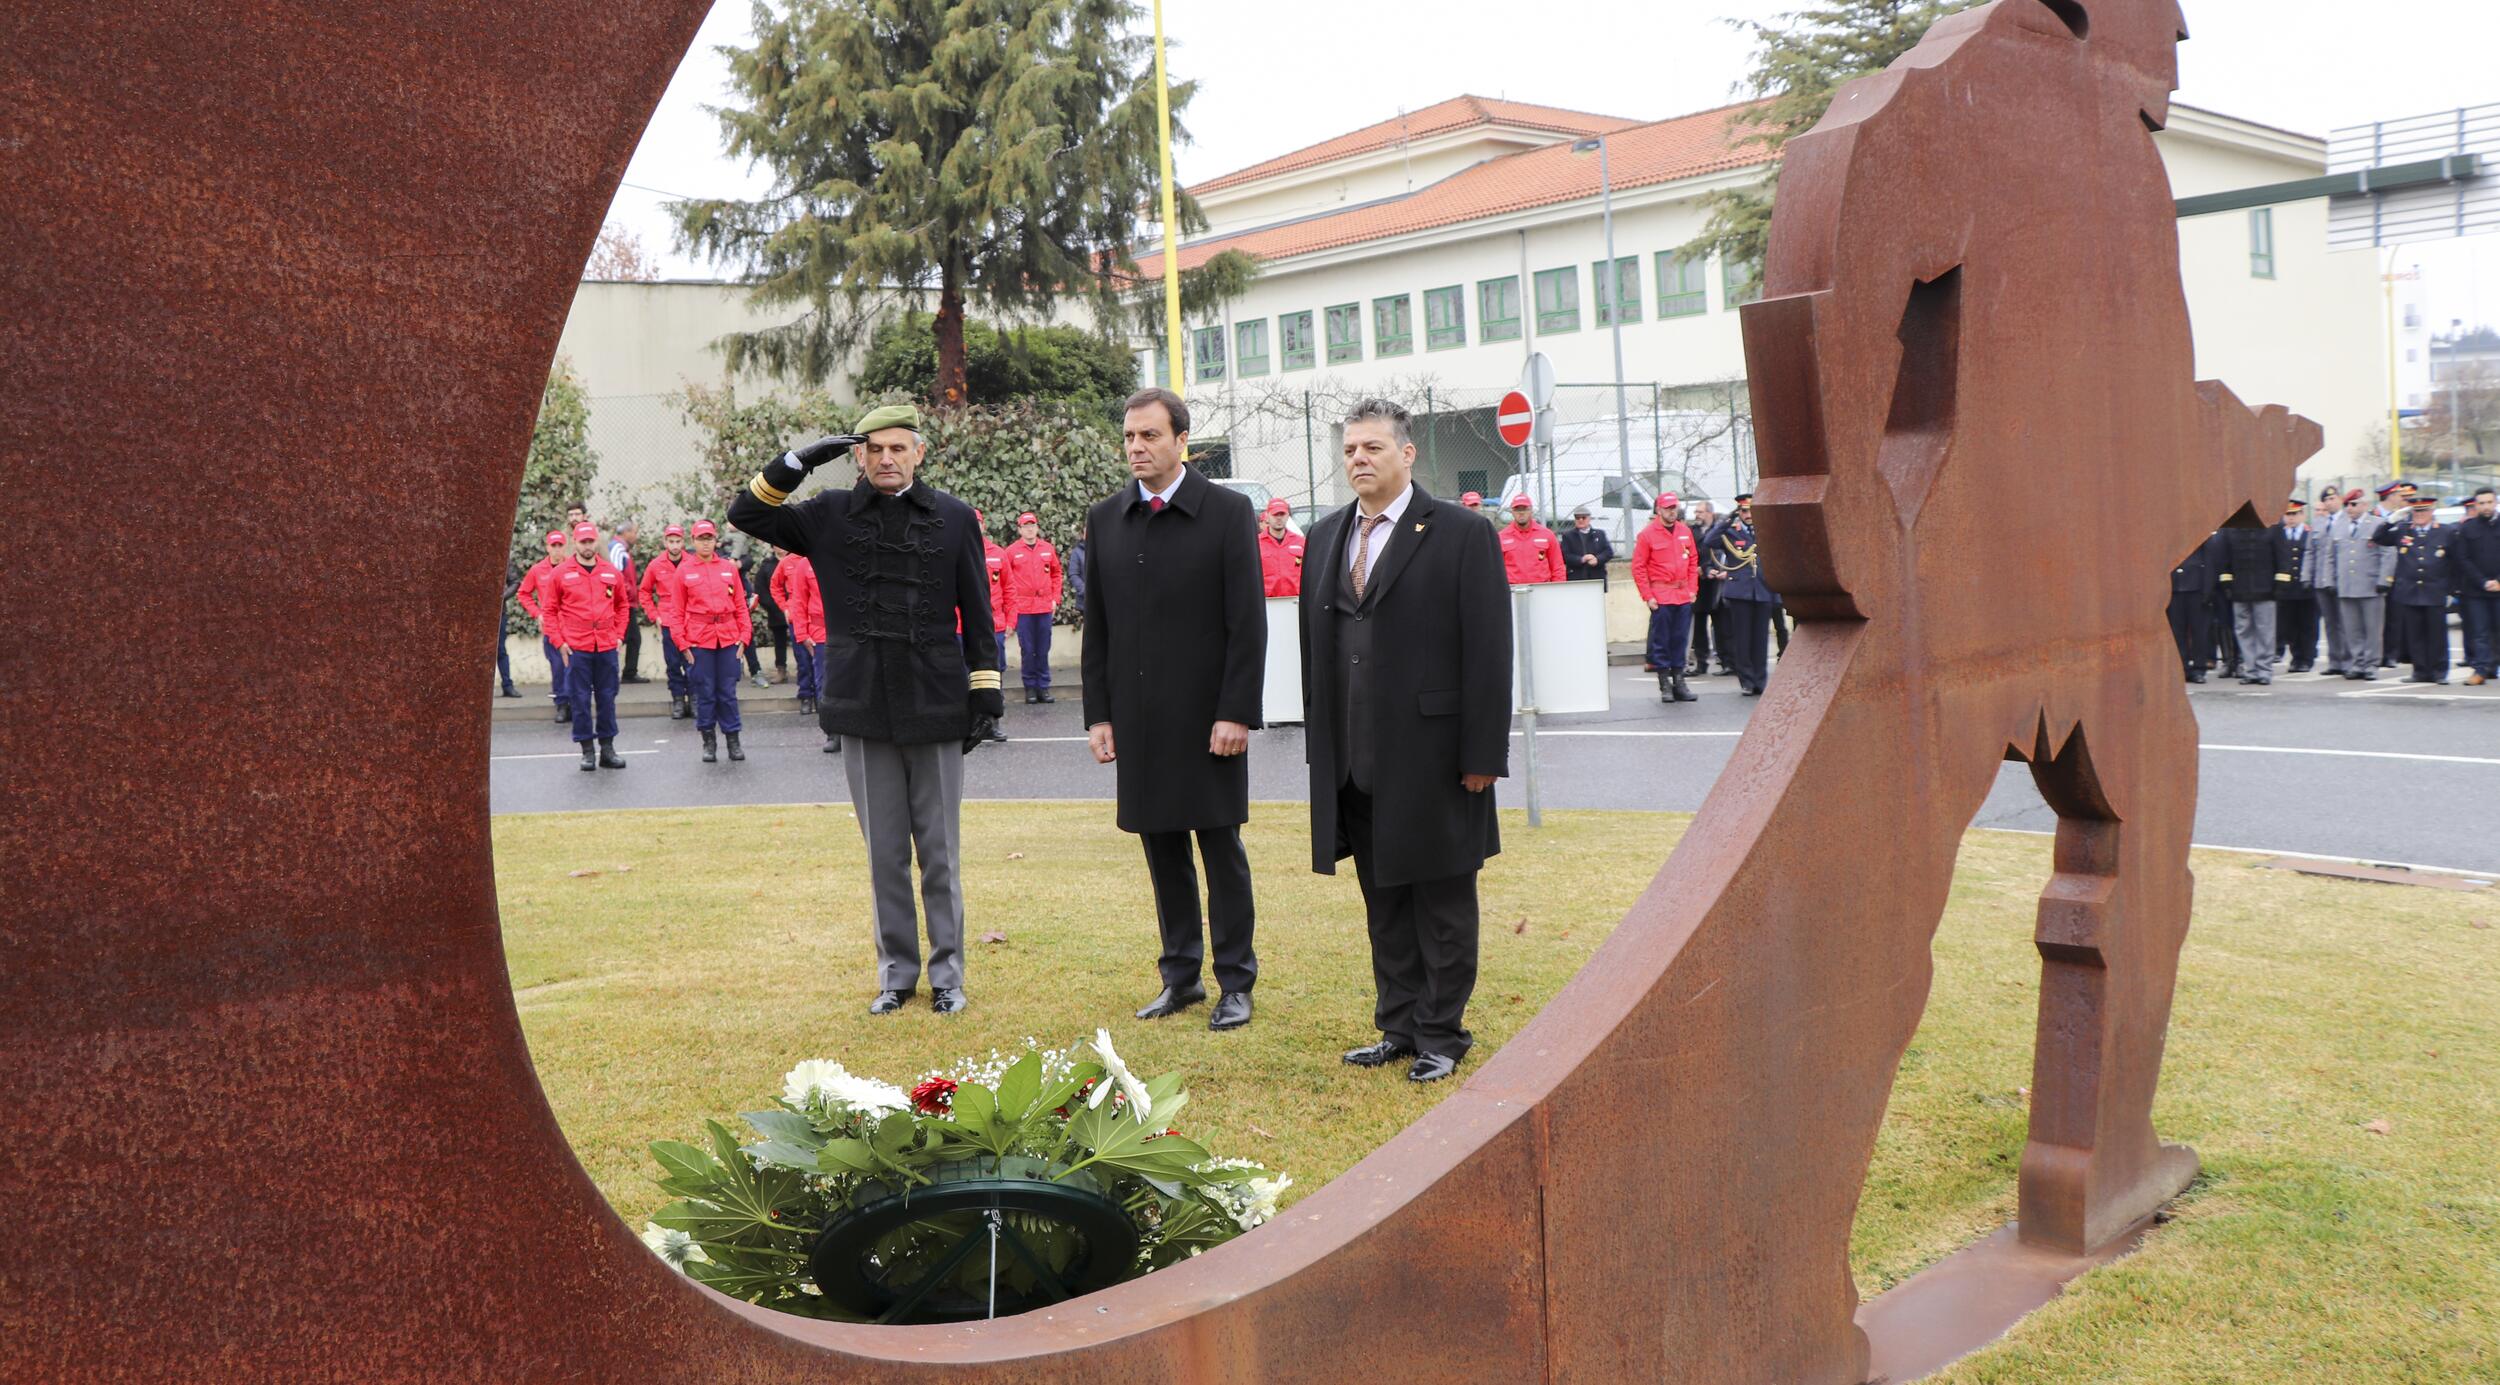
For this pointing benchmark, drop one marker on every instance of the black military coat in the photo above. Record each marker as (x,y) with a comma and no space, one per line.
(2423,574)
(2256,561)
(2198,571)
(897,572)
(1175,641)
(1440,696)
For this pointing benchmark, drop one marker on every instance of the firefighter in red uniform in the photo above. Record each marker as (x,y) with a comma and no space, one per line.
(588,602)
(1530,551)
(802,602)
(1032,587)
(1280,551)
(659,601)
(712,605)
(533,589)
(1666,571)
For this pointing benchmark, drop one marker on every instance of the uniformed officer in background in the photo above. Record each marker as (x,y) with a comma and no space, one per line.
(1745,598)
(2192,584)
(712,599)
(2418,595)
(2296,602)
(658,590)
(1280,551)
(1033,584)
(589,603)
(2257,563)
(1530,552)
(1585,549)
(533,590)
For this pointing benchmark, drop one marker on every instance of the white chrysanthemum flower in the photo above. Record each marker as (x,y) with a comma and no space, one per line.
(821,1077)
(675,1247)
(1140,1105)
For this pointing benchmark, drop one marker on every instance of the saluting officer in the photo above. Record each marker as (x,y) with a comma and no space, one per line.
(2418,594)
(1280,551)
(532,597)
(590,602)
(1530,551)
(713,599)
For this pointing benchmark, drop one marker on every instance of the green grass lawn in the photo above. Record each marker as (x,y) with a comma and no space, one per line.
(713,949)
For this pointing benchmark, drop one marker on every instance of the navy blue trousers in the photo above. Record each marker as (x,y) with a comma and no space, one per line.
(1670,637)
(716,689)
(555,671)
(807,668)
(591,682)
(1033,649)
(503,659)
(674,659)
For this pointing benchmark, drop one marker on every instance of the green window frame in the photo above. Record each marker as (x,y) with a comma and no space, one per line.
(1740,280)
(1558,300)
(1683,288)
(1206,353)
(1393,325)
(1345,333)
(1293,337)
(1497,309)
(2261,242)
(1445,318)
(1626,289)
(1250,347)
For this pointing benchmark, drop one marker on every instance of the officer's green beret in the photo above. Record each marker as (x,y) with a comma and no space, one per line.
(889,416)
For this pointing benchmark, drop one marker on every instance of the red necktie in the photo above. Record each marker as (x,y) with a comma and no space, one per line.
(1154,505)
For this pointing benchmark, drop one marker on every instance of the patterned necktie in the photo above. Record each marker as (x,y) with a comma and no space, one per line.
(1363,553)
(1154,505)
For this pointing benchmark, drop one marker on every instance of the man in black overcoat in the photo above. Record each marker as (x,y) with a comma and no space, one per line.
(1175,660)
(1406,667)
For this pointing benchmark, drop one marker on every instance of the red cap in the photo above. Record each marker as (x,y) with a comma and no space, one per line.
(1521,502)
(1471,498)
(554,537)
(1028,517)
(703,529)
(1279,506)
(585,530)
(2352,495)
(1670,498)
(674,531)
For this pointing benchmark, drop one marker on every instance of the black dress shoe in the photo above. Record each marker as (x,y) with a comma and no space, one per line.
(947,1000)
(833,745)
(887,1002)
(564,715)
(2196,676)
(1232,1011)
(1378,1055)
(1431,1067)
(1171,1002)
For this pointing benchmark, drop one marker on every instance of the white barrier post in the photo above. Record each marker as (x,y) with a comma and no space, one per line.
(1522,643)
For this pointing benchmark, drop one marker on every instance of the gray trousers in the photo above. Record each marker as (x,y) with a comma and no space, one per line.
(2253,623)
(911,797)
(2360,623)
(2331,627)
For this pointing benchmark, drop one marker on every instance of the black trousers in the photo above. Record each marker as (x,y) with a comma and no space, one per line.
(2425,637)
(778,626)
(1779,625)
(2396,638)
(1745,641)
(1230,918)
(633,645)
(1705,613)
(2191,628)
(2296,630)
(1423,938)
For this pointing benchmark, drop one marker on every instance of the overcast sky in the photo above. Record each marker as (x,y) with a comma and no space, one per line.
(1282,74)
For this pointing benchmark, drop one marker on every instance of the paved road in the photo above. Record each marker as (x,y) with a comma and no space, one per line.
(2384,771)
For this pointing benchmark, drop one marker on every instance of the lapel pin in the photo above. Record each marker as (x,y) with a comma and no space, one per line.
(1419,528)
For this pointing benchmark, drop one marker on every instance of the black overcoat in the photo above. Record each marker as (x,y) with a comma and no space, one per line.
(1440,703)
(894,665)
(1175,641)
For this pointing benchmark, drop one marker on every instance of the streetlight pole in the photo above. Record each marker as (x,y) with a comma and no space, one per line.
(1614,317)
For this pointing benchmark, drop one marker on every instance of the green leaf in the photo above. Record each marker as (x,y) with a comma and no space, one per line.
(847,1154)
(785,1155)
(683,1161)
(787,1126)
(1021,1083)
(975,1116)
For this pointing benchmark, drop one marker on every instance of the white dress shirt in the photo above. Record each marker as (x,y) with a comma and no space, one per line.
(1165,495)
(1381,533)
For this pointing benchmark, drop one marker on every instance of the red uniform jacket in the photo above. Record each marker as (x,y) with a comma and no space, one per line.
(659,589)
(534,586)
(1003,618)
(801,598)
(587,607)
(1033,578)
(712,603)
(1280,563)
(1666,564)
(1532,554)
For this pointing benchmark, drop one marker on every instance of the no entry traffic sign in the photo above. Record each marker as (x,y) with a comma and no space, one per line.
(1514,419)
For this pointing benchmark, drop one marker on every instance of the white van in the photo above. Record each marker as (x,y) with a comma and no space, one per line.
(1585,467)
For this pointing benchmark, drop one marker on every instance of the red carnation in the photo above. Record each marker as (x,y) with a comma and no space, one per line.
(933,1097)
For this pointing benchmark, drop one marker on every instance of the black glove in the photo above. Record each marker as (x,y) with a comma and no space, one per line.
(815,454)
(984,730)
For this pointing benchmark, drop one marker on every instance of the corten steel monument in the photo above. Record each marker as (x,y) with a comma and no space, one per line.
(299,268)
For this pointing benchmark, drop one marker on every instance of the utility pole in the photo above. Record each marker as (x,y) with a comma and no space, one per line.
(1614,318)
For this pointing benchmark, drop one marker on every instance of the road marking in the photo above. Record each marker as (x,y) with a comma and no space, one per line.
(2294,855)
(2356,754)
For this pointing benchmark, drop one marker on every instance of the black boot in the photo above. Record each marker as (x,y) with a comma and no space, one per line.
(564,714)
(735,753)
(1044,696)
(833,745)
(1683,693)
(608,758)
(1666,688)
(711,749)
(680,708)
(1029,698)
(590,756)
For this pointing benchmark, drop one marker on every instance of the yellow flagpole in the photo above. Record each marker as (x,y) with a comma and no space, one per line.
(1171,230)
(2395,433)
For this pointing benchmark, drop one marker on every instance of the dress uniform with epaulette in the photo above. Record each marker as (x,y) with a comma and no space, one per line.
(2418,594)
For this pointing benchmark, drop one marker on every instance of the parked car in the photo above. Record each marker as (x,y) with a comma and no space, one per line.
(1259,495)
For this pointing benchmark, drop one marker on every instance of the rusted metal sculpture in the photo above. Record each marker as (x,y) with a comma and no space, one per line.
(303,266)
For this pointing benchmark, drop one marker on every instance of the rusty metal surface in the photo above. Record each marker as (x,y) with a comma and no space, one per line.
(295,270)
